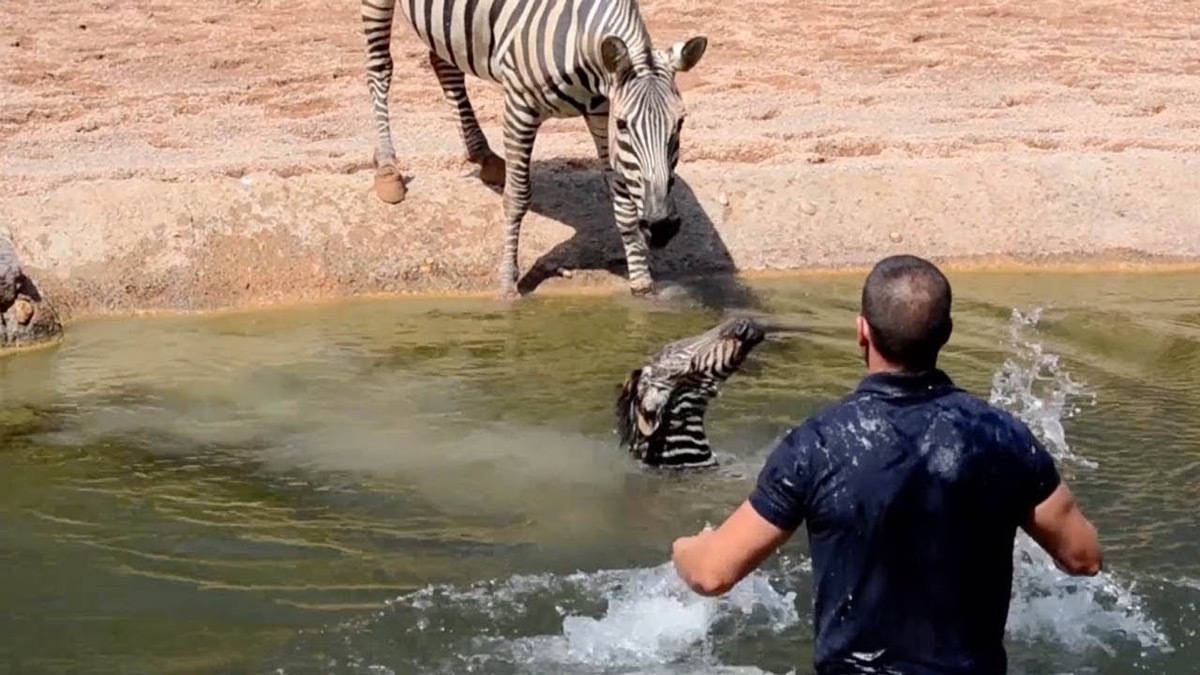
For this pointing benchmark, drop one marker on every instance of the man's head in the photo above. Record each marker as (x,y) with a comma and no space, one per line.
(905,317)
(646,116)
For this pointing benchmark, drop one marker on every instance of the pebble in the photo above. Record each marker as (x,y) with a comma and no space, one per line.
(723,199)
(807,207)
(22,311)
(896,237)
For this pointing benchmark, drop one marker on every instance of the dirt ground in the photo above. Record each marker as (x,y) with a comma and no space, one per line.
(216,153)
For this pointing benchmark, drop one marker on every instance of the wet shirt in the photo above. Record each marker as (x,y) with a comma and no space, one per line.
(911,490)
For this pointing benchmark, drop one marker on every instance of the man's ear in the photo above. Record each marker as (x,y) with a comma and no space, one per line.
(614,54)
(685,55)
(863,329)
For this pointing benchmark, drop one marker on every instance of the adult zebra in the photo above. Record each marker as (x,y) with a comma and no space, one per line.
(553,58)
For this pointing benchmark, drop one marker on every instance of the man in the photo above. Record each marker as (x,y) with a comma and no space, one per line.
(912,490)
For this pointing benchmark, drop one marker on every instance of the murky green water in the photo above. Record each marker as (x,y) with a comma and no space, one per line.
(432,486)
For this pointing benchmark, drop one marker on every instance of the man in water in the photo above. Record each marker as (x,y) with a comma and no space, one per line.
(912,491)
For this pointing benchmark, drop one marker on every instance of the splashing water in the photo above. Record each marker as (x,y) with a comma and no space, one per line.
(1034,386)
(652,618)
(641,620)
(1080,613)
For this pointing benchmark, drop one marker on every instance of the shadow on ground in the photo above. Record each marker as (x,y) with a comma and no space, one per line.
(695,263)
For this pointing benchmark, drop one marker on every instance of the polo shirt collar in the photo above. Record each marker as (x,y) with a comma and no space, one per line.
(901,384)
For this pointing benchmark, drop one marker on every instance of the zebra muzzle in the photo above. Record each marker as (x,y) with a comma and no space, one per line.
(660,232)
(647,423)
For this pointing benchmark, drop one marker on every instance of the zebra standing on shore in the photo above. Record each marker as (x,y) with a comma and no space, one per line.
(553,58)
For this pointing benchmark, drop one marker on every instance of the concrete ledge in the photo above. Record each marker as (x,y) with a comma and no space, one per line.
(138,244)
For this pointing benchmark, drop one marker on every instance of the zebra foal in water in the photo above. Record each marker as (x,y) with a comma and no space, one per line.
(660,407)
(554,59)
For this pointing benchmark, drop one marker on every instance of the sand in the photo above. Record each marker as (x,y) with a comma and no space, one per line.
(213,154)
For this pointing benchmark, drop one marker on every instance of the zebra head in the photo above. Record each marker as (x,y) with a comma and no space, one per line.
(646,114)
(660,408)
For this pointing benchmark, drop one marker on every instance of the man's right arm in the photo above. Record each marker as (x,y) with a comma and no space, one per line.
(1053,518)
(1059,526)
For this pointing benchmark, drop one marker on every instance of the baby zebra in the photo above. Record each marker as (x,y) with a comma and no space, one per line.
(660,408)
(554,59)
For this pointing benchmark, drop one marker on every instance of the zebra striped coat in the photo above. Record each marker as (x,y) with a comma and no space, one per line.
(553,58)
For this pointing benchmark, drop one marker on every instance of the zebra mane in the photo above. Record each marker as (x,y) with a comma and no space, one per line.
(626,424)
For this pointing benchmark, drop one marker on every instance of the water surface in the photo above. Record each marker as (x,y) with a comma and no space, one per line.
(432,486)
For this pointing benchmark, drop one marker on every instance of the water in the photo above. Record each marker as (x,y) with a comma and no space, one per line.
(432,486)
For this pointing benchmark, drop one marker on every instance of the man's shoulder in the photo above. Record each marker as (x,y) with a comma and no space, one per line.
(830,413)
(985,412)
(819,428)
(970,407)
(813,430)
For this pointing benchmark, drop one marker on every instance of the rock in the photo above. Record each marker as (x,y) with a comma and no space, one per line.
(807,207)
(22,311)
(723,199)
(896,237)
(27,319)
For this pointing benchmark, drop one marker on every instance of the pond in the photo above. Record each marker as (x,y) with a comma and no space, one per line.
(433,485)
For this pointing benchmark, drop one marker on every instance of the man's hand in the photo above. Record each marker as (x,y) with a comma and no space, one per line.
(711,562)
(684,547)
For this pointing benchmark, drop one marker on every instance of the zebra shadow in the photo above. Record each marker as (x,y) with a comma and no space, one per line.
(695,263)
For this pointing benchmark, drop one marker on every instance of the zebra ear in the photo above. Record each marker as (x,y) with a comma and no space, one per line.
(685,55)
(615,55)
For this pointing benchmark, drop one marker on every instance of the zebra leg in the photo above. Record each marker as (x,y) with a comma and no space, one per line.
(598,127)
(521,124)
(454,87)
(624,212)
(636,253)
(377,27)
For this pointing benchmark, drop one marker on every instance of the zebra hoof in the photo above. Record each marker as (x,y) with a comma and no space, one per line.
(389,185)
(642,289)
(491,171)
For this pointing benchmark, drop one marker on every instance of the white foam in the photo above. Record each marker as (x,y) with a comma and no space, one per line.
(650,622)
(651,618)
(1034,386)
(1078,613)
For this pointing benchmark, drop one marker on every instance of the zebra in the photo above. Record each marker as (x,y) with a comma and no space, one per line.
(660,406)
(554,59)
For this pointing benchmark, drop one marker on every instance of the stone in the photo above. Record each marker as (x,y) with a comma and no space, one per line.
(22,311)
(27,318)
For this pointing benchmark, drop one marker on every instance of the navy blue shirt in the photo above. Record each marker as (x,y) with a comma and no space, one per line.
(912,491)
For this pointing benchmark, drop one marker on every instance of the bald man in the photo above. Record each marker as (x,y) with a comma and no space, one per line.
(912,491)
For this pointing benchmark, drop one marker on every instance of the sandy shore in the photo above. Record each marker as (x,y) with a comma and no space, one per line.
(172,156)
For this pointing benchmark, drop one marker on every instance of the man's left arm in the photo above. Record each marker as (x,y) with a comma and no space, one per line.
(714,561)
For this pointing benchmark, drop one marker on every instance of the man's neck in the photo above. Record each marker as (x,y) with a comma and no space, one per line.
(876,364)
